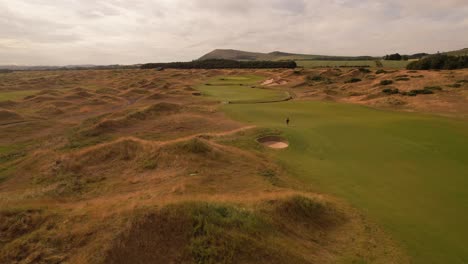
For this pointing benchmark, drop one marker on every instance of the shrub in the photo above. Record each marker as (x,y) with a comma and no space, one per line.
(402,79)
(455,85)
(390,91)
(316,78)
(420,91)
(395,56)
(386,82)
(364,70)
(411,93)
(380,71)
(433,88)
(353,80)
(196,146)
(439,62)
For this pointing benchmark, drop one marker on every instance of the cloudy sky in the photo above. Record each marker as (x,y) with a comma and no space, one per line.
(61,32)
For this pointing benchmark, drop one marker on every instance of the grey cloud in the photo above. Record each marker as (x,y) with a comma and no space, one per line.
(119,31)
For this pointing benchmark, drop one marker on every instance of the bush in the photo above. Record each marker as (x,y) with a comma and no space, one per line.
(395,56)
(411,93)
(439,62)
(433,88)
(402,79)
(455,85)
(427,90)
(196,146)
(364,70)
(353,80)
(386,82)
(380,71)
(316,78)
(390,91)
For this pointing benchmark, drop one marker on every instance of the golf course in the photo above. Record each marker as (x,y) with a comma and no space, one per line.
(406,171)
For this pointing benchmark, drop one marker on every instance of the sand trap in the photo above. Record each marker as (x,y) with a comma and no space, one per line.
(274,142)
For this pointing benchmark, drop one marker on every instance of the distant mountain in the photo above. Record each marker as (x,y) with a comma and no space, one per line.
(230,54)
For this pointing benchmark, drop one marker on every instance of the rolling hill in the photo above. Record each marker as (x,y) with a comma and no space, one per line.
(459,52)
(230,54)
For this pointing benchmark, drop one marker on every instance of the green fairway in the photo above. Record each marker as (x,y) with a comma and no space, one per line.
(4,96)
(409,172)
(395,64)
(240,89)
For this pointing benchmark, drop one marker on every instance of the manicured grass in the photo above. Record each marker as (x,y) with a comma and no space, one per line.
(409,172)
(395,64)
(4,96)
(239,89)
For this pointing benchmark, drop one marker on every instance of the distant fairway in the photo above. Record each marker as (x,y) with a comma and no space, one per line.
(409,172)
(239,89)
(15,95)
(359,63)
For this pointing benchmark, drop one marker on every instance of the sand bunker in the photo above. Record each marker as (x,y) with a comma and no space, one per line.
(274,142)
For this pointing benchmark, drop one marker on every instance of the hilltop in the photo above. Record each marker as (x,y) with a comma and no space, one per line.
(231,54)
(459,52)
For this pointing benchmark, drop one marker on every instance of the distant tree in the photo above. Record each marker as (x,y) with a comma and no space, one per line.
(395,56)
(222,64)
(439,62)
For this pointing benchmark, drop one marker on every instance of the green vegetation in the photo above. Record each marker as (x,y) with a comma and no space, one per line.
(221,64)
(439,62)
(407,171)
(387,164)
(402,79)
(390,91)
(461,52)
(15,95)
(395,64)
(386,82)
(331,63)
(203,232)
(353,80)
(239,90)
(351,63)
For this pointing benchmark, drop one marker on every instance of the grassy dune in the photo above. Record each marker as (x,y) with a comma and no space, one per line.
(407,171)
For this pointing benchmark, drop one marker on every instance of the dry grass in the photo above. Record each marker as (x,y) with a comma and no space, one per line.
(130,166)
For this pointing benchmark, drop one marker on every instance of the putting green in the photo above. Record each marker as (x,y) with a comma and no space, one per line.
(240,90)
(409,172)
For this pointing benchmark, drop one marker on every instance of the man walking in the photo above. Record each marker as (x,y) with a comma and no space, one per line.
(287,121)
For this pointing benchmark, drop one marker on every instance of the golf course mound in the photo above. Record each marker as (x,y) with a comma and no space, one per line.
(274,142)
(7,115)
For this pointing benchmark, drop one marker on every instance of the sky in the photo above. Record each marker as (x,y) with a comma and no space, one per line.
(66,32)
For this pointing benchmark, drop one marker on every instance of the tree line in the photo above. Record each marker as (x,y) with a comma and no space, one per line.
(222,64)
(399,57)
(439,62)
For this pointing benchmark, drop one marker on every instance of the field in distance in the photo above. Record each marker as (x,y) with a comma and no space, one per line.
(352,63)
